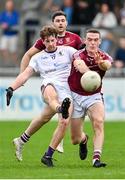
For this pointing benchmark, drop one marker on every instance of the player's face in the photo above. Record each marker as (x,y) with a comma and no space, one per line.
(92,42)
(60,23)
(50,43)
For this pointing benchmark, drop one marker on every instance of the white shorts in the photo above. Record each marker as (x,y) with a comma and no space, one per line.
(9,43)
(62,89)
(82,103)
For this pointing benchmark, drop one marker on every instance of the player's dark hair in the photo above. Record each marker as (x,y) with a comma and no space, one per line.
(93,31)
(58,13)
(47,31)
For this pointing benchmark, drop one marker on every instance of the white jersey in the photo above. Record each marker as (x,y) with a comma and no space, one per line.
(53,66)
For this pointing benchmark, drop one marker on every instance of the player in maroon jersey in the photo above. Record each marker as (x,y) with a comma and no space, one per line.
(89,58)
(64,38)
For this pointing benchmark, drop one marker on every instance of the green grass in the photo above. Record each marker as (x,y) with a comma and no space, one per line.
(68,165)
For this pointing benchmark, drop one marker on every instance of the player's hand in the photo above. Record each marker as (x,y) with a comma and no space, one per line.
(80,66)
(105,65)
(9,95)
(98,58)
(102,64)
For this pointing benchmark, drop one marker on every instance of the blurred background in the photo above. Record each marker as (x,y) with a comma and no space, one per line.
(30,15)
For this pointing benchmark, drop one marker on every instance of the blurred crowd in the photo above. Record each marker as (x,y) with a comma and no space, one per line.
(20,22)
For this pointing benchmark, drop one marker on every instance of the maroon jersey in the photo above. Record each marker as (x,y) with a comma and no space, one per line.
(75,76)
(70,39)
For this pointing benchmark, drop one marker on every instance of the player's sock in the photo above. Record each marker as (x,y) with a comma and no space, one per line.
(47,157)
(96,155)
(58,109)
(50,151)
(24,137)
(84,141)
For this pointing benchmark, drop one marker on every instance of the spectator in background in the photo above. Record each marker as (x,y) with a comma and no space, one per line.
(119,62)
(68,8)
(83,13)
(122,15)
(31,19)
(52,5)
(48,7)
(105,19)
(9,22)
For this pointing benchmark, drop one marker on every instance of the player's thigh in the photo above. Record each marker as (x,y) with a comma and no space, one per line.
(76,127)
(96,112)
(49,93)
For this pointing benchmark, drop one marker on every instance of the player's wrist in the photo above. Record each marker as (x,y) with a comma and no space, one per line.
(10,89)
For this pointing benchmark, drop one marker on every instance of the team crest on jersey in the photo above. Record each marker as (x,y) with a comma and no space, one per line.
(61,53)
(68,40)
(60,41)
(90,60)
(53,56)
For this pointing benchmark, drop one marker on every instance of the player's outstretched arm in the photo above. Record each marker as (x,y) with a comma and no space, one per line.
(26,58)
(19,81)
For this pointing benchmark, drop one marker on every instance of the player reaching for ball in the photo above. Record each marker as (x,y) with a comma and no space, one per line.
(90,103)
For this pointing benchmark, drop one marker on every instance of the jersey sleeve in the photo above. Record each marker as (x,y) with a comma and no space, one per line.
(109,58)
(71,51)
(80,42)
(33,64)
(39,45)
(76,55)
(106,56)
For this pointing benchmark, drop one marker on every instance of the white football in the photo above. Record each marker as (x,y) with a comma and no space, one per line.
(90,81)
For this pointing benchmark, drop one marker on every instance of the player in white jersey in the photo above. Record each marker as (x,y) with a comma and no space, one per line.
(53,64)
(64,37)
(58,68)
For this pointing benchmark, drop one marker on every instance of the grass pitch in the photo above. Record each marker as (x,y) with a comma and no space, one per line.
(68,164)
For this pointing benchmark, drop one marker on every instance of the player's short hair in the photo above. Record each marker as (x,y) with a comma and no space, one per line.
(58,13)
(93,31)
(47,31)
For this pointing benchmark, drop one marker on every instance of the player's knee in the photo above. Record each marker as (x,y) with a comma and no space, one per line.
(98,124)
(64,123)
